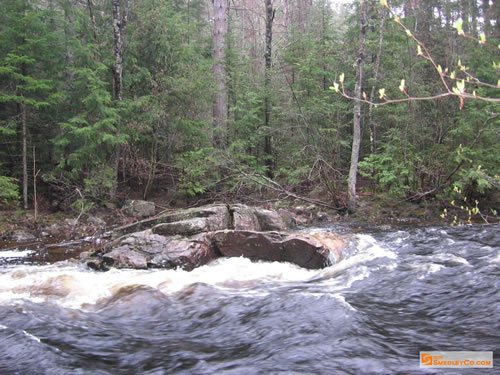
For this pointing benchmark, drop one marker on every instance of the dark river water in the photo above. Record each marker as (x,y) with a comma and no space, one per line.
(398,291)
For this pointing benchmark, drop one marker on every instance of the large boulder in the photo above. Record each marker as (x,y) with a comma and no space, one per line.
(244,218)
(186,253)
(214,217)
(204,220)
(124,257)
(22,236)
(270,220)
(146,249)
(139,208)
(193,237)
(306,250)
(259,219)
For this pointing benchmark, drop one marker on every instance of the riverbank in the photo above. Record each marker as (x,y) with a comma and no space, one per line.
(22,226)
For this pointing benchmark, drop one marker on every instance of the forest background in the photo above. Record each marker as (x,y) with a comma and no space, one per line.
(197,101)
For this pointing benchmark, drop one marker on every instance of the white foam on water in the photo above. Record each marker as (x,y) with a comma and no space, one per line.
(451,258)
(367,249)
(425,269)
(33,337)
(496,259)
(75,286)
(344,303)
(16,253)
(2,326)
(355,267)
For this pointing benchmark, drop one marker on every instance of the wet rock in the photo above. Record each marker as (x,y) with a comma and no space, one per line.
(288,218)
(85,255)
(22,236)
(306,250)
(147,249)
(123,257)
(144,241)
(244,218)
(270,220)
(96,222)
(139,208)
(193,237)
(250,244)
(218,216)
(54,230)
(70,222)
(187,254)
(258,219)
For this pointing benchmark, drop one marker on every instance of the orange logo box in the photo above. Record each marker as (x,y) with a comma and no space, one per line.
(456,359)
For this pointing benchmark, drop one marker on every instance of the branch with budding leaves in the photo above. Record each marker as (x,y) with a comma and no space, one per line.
(459,88)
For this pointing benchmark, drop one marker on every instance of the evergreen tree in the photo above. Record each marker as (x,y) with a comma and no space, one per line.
(29,50)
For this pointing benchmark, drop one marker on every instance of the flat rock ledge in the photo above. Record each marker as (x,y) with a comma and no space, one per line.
(193,237)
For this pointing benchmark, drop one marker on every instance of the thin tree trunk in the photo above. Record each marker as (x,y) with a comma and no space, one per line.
(475,15)
(120,17)
(286,16)
(373,126)
(35,174)
(220,107)
(119,23)
(353,170)
(267,85)
(90,5)
(24,155)
(323,44)
(487,16)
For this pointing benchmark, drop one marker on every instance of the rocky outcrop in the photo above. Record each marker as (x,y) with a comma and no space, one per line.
(196,221)
(148,250)
(305,250)
(214,216)
(187,253)
(22,236)
(193,237)
(259,219)
(139,208)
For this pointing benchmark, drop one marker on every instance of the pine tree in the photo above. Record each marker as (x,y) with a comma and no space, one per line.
(28,50)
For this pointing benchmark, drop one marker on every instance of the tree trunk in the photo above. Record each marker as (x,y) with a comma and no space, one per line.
(119,23)
(267,85)
(24,155)
(220,107)
(120,17)
(486,16)
(90,5)
(356,139)
(373,126)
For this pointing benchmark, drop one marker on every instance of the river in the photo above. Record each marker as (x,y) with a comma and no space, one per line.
(399,290)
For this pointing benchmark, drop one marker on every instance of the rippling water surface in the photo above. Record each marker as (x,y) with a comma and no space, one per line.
(398,291)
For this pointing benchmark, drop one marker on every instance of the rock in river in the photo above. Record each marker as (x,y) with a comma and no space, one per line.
(305,250)
(193,237)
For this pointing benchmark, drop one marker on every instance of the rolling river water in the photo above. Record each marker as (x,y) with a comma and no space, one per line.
(399,290)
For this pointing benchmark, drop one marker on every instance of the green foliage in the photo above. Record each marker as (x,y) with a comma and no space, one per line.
(9,191)
(52,64)
(27,48)
(88,138)
(392,169)
(99,184)
(200,171)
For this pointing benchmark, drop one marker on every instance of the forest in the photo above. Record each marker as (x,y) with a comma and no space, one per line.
(192,100)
